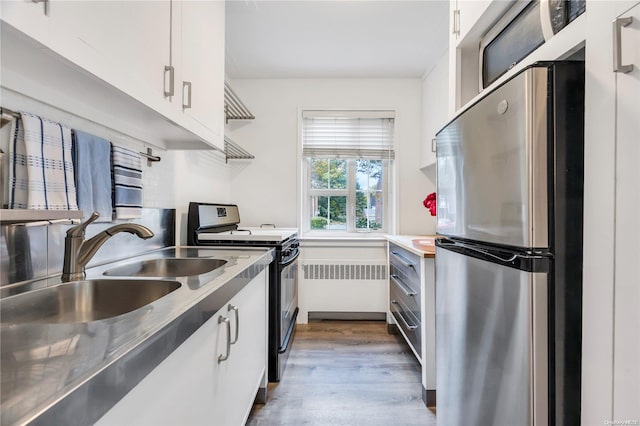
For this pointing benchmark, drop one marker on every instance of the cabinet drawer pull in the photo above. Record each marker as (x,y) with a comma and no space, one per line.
(407,290)
(225,320)
(404,260)
(406,323)
(186,85)
(171,90)
(235,310)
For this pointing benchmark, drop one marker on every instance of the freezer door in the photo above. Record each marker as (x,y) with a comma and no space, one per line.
(492,166)
(491,343)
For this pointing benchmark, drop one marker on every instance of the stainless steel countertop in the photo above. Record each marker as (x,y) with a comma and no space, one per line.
(73,373)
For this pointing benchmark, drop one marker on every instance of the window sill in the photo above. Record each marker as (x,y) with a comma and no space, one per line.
(343,235)
(342,239)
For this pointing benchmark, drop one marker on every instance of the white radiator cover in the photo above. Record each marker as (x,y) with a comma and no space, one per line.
(351,285)
(335,270)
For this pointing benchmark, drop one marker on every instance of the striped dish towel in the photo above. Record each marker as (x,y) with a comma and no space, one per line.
(41,167)
(127,182)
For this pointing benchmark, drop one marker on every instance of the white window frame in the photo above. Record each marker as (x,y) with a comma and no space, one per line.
(305,192)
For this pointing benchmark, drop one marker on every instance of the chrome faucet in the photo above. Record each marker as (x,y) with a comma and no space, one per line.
(78,251)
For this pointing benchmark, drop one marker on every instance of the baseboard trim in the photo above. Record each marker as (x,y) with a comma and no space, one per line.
(353,316)
(261,396)
(429,397)
(393,329)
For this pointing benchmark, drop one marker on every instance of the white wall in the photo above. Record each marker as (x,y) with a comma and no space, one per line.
(266,188)
(198,176)
(435,94)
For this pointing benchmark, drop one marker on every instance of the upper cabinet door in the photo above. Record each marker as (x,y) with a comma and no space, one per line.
(123,64)
(133,37)
(470,12)
(125,43)
(202,64)
(464,15)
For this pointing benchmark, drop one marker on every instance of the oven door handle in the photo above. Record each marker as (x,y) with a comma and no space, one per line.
(290,330)
(289,262)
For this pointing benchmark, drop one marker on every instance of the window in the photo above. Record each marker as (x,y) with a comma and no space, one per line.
(346,161)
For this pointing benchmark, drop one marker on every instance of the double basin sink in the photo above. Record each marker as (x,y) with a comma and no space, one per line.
(96,299)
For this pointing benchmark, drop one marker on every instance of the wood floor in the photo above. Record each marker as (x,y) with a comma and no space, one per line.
(346,373)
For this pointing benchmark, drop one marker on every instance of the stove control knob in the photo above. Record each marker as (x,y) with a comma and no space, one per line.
(286,253)
(295,245)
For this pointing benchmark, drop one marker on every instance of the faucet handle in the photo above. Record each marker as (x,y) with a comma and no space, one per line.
(78,230)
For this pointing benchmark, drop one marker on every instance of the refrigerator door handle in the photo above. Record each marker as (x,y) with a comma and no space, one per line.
(523,261)
(448,244)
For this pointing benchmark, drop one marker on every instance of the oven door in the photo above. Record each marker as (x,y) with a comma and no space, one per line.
(288,302)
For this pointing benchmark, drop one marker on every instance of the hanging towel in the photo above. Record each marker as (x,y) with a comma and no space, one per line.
(127,182)
(18,179)
(92,162)
(41,167)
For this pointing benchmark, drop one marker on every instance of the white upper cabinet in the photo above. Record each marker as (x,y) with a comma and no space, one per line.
(117,61)
(132,40)
(202,70)
(464,15)
(466,21)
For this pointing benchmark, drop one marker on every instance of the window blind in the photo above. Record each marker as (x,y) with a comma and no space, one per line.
(348,134)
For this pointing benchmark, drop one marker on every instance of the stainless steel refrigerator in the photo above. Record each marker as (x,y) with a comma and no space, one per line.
(509,265)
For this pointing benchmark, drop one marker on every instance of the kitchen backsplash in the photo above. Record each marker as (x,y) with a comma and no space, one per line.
(36,250)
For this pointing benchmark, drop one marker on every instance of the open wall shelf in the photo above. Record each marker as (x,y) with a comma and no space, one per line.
(234,109)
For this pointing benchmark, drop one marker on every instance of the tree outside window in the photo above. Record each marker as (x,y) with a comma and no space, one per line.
(336,184)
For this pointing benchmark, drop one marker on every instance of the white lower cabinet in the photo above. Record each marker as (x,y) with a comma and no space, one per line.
(191,386)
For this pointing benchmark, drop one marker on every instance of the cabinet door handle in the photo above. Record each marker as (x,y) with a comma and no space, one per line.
(186,85)
(225,320)
(408,291)
(456,22)
(617,45)
(406,324)
(46,5)
(235,310)
(171,90)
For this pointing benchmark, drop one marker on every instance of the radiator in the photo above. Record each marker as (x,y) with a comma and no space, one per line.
(350,286)
(344,271)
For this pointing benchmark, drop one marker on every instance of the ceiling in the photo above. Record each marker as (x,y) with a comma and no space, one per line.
(334,38)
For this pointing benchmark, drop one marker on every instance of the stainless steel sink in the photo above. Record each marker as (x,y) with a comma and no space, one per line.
(83,301)
(172,267)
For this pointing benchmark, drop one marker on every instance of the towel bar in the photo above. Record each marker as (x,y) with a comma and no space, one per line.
(150,157)
(7,112)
